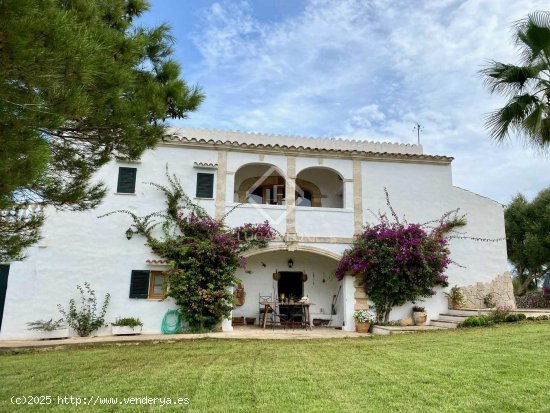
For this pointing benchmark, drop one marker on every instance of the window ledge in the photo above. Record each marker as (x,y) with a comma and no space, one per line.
(208,199)
(125,193)
(261,206)
(156,299)
(326,209)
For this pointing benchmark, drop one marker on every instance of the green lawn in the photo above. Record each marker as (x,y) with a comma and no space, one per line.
(498,369)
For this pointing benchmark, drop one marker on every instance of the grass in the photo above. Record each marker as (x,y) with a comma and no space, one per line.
(503,368)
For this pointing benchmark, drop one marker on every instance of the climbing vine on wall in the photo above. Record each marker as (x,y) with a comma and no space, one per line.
(203,254)
(397,262)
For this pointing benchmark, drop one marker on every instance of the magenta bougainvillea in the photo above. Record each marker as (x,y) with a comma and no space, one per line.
(399,262)
(203,254)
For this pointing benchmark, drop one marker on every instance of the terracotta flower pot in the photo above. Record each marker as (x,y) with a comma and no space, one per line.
(362,327)
(420,318)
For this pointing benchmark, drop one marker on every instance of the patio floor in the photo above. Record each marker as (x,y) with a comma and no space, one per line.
(239,332)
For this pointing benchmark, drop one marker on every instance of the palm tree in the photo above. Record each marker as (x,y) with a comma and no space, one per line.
(527,112)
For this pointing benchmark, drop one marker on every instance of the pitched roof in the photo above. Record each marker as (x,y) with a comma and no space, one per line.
(249,141)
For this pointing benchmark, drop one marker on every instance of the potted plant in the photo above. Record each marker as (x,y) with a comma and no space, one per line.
(419,315)
(127,326)
(50,329)
(363,320)
(456,297)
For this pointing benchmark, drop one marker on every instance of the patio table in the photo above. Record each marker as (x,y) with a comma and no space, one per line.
(272,305)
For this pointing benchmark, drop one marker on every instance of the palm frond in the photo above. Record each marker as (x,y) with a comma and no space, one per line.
(533,37)
(511,116)
(533,123)
(510,79)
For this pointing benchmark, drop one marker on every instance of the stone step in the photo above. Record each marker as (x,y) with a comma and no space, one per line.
(387,330)
(444,324)
(463,311)
(452,317)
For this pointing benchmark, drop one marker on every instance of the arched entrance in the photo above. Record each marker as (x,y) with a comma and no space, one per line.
(307,271)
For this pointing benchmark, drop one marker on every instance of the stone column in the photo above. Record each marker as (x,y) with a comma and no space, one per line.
(348,194)
(227,324)
(220,185)
(348,294)
(290,197)
(230,186)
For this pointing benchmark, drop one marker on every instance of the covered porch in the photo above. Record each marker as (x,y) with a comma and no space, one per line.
(281,276)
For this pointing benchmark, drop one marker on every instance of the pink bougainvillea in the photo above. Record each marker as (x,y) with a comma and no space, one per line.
(203,254)
(399,262)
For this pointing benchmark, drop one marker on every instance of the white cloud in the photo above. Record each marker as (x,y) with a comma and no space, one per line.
(370,70)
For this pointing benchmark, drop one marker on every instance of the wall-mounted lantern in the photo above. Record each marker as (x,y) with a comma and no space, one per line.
(129,233)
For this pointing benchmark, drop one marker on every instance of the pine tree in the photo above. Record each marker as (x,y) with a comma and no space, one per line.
(80,84)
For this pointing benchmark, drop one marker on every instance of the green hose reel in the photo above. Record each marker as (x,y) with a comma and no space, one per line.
(171,322)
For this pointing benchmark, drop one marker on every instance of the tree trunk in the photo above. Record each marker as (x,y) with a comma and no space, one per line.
(525,285)
(383,312)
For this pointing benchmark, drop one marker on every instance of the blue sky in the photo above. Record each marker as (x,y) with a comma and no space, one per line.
(359,69)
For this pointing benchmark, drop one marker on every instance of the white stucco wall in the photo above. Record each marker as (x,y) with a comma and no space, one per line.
(422,193)
(324,222)
(80,247)
(257,214)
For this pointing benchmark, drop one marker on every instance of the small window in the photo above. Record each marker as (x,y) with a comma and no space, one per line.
(205,185)
(148,284)
(126,180)
(157,285)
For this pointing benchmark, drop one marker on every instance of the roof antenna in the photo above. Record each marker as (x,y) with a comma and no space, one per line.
(418,128)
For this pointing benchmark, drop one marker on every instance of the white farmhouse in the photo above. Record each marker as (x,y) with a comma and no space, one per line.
(317,192)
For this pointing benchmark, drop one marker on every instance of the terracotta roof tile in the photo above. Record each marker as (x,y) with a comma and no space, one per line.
(157,262)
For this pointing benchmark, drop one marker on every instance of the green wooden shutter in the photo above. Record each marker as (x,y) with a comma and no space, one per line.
(4,270)
(139,284)
(126,180)
(205,185)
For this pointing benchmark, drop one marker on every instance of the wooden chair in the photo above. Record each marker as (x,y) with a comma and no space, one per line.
(274,317)
(261,311)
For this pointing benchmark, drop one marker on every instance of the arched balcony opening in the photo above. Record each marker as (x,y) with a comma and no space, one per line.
(319,187)
(259,183)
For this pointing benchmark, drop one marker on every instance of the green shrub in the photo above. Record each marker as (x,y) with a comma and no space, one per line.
(542,317)
(513,318)
(88,318)
(477,321)
(530,318)
(500,313)
(127,322)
